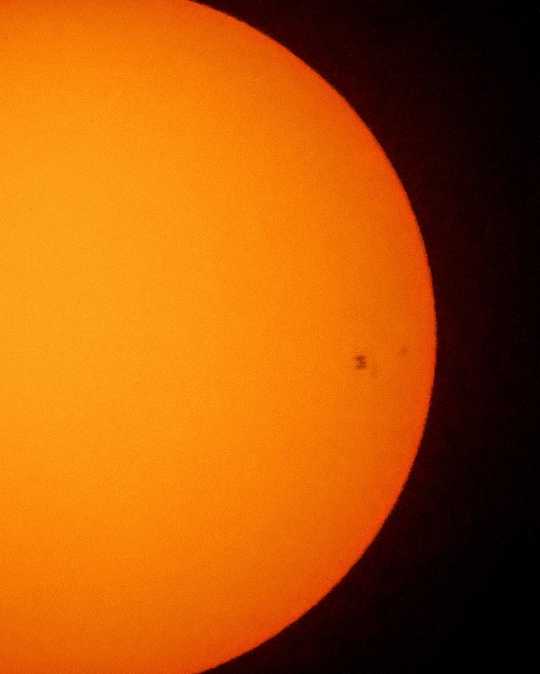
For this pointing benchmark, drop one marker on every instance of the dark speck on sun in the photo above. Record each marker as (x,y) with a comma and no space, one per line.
(361,362)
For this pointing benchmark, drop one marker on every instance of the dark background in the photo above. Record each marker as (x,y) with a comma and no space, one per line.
(449,91)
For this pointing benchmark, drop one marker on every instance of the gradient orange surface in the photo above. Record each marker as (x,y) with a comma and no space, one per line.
(217,337)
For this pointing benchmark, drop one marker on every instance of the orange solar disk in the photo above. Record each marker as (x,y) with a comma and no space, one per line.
(217,337)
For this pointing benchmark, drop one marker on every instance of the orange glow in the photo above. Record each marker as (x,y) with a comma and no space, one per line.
(217,337)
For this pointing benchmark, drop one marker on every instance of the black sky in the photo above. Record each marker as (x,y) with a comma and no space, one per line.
(449,91)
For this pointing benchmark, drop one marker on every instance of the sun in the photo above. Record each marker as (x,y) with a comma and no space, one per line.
(217,337)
